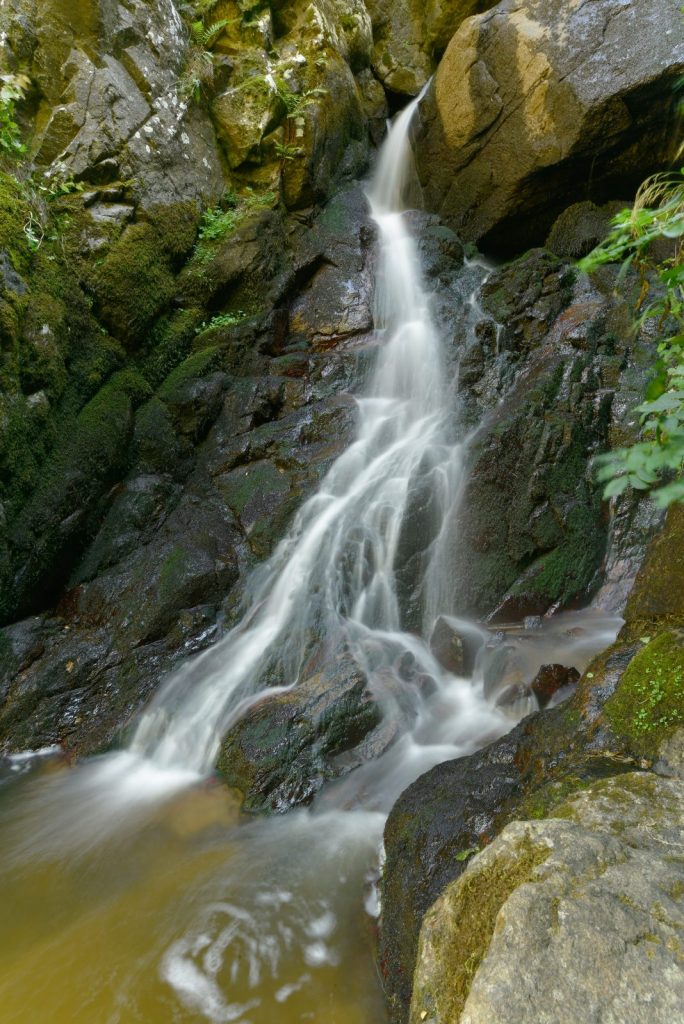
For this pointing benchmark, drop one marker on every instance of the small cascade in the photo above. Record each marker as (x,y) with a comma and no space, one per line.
(334,573)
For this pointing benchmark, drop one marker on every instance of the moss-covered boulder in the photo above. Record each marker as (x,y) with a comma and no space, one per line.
(589,904)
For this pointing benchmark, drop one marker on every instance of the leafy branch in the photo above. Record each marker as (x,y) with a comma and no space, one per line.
(656,462)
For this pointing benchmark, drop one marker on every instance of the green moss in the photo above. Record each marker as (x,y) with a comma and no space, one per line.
(14,213)
(157,447)
(173,572)
(658,593)
(474,902)
(196,365)
(542,802)
(27,438)
(176,224)
(133,284)
(648,704)
(44,344)
(170,344)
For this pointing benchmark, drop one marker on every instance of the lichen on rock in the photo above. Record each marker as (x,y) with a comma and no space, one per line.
(588,902)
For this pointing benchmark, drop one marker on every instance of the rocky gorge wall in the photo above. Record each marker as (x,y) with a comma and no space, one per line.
(186,304)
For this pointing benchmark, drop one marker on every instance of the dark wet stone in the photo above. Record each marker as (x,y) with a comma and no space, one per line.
(280,753)
(550,679)
(455,646)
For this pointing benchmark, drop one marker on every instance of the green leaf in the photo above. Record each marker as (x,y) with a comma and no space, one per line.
(616,486)
(465,854)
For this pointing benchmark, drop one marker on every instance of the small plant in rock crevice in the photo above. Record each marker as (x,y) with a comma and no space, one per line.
(198,75)
(220,221)
(223,320)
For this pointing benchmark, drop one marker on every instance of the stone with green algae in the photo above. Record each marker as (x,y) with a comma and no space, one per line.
(590,901)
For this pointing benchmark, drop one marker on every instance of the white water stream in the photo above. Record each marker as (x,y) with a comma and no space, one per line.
(335,569)
(263,922)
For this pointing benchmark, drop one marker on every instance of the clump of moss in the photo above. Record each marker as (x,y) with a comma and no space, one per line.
(133,284)
(196,365)
(648,704)
(176,225)
(157,447)
(14,215)
(170,344)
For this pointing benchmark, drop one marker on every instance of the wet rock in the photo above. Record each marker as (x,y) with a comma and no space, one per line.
(550,679)
(173,488)
(329,138)
(459,806)
(581,227)
(400,57)
(616,721)
(409,36)
(514,695)
(455,645)
(587,900)
(529,104)
(284,748)
(530,532)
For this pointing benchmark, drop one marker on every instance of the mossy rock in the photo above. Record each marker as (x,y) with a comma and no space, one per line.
(658,593)
(14,214)
(133,284)
(170,343)
(648,704)
(280,753)
(474,902)
(55,524)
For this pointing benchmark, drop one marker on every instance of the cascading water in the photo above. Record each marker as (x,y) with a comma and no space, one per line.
(208,918)
(335,569)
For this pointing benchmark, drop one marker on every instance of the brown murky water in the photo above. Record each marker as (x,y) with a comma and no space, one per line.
(194,915)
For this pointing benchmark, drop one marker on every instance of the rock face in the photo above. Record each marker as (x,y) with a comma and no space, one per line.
(286,747)
(409,36)
(547,388)
(627,712)
(110,107)
(592,908)
(178,476)
(539,106)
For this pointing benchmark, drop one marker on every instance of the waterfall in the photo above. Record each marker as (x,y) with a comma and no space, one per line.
(336,567)
(205,914)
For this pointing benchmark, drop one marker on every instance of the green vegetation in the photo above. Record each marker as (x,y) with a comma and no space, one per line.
(134,283)
(220,221)
(13,89)
(288,152)
(649,237)
(648,704)
(222,320)
(295,103)
(197,78)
